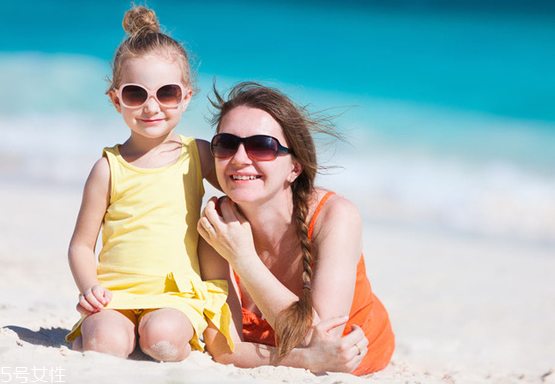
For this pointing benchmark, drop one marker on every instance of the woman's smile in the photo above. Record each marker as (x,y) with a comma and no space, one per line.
(239,177)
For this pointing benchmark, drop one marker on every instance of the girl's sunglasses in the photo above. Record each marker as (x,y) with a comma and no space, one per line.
(135,95)
(258,147)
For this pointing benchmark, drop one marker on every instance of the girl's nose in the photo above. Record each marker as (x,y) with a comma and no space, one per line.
(151,105)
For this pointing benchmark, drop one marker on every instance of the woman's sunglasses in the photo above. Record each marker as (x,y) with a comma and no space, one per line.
(258,147)
(135,95)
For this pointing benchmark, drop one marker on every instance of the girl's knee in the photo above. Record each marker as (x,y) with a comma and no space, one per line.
(104,336)
(166,350)
(78,344)
(165,335)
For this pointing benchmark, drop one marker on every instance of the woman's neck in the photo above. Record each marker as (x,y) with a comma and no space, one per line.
(272,222)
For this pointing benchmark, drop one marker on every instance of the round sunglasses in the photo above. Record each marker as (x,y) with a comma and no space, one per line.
(135,95)
(258,147)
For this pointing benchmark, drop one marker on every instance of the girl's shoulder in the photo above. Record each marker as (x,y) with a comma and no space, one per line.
(101,167)
(99,177)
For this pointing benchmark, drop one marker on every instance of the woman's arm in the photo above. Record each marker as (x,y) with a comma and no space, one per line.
(81,255)
(337,247)
(325,352)
(231,236)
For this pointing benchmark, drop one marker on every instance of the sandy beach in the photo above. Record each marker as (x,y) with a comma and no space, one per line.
(464,309)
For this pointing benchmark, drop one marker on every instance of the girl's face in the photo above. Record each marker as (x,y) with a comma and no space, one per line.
(244,179)
(151,120)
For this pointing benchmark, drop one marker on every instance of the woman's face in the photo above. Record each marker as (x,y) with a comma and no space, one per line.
(245,180)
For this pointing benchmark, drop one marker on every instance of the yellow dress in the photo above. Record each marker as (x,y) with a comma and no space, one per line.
(149,243)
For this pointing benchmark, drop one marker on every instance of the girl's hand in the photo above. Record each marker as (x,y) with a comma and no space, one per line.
(327,352)
(226,230)
(94,299)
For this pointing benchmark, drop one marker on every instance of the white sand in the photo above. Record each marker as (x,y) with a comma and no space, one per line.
(464,310)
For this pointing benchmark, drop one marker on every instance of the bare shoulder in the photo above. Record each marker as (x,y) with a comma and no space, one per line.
(337,208)
(338,214)
(100,170)
(98,182)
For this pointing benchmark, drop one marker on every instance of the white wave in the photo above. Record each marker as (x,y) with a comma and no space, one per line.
(407,163)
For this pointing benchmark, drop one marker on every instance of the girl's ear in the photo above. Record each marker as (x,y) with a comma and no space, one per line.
(295,171)
(186,99)
(115,100)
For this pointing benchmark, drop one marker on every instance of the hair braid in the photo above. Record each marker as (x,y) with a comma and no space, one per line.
(294,323)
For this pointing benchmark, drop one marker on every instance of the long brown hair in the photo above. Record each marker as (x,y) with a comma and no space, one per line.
(293,323)
(145,36)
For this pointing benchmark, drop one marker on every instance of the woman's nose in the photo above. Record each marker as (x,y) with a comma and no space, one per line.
(241,156)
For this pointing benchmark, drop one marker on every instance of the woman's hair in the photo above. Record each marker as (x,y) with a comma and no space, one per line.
(144,36)
(293,323)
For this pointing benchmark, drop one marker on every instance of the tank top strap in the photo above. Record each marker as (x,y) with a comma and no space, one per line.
(317,212)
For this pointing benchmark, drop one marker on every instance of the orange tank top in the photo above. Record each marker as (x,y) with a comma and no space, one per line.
(366,311)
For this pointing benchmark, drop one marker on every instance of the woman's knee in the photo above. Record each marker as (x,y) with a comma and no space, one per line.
(165,334)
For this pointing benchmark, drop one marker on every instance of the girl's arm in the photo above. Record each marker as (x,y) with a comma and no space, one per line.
(325,352)
(207,163)
(81,255)
(337,248)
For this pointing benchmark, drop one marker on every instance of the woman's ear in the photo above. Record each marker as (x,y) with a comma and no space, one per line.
(115,100)
(295,171)
(186,99)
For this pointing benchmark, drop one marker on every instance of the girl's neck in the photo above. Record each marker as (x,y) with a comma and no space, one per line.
(156,152)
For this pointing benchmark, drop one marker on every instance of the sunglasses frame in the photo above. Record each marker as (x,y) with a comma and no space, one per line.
(119,93)
(244,140)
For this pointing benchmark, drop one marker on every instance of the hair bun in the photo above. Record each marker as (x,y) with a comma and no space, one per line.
(140,20)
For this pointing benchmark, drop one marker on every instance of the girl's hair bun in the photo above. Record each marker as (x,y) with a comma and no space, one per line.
(140,20)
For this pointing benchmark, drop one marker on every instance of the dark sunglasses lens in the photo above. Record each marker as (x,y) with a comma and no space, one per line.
(133,96)
(224,145)
(262,147)
(169,94)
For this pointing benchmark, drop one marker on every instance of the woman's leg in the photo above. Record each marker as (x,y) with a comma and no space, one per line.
(164,334)
(109,331)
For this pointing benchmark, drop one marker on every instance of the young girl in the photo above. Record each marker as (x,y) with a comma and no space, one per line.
(146,193)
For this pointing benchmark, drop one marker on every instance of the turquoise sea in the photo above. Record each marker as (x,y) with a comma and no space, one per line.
(448,107)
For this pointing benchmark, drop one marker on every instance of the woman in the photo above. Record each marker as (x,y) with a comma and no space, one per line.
(298,279)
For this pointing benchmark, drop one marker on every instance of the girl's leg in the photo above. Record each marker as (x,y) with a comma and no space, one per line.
(109,331)
(78,344)
(164,334)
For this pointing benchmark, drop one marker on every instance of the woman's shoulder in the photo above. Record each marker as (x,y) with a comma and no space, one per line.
(335,202)
(335,211)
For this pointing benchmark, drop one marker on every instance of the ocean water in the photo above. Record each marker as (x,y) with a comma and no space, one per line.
(447,108)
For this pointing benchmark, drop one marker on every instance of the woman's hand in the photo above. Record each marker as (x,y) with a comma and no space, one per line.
(93,300)
(327,352)
(226,230)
